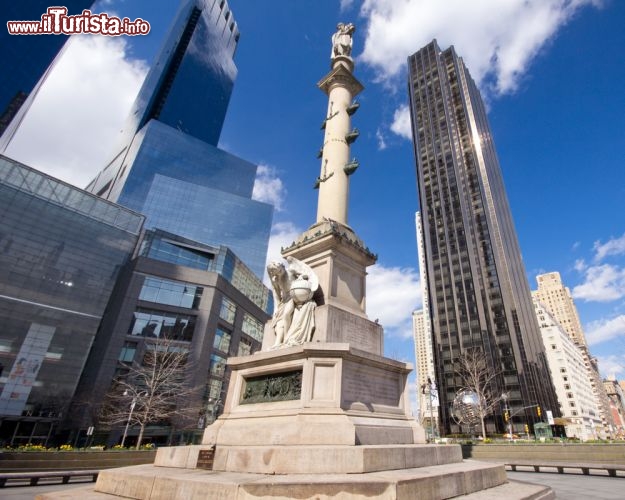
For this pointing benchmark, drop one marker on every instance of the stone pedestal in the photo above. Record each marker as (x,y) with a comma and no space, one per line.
(315,394)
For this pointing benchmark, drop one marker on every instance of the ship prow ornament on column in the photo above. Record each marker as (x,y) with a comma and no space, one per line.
(319,412)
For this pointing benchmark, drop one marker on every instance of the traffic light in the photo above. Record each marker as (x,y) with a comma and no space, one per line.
(527,429)
(538,411)
(506,415)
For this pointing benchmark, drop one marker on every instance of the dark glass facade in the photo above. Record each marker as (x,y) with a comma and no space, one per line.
(168,166)
(212,311)
(478,290)
(61,250)
(28,57)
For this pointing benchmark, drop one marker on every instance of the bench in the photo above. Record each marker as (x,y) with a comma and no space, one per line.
(34,477)
(560,466)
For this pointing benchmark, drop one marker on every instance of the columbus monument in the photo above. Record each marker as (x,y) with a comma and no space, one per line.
(319,412)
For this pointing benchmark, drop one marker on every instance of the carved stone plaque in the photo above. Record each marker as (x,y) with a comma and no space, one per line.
(284,386)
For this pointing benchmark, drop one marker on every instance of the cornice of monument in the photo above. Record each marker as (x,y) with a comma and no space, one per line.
(340,75)
(328,235)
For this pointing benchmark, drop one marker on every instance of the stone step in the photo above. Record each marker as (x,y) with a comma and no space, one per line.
(331,459)
(433,482)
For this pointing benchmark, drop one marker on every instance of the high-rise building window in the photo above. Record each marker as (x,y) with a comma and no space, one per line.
(252,327)
(127,354)
(222,340)
(171,293)
(218,365)
(228,310)
(154,323)
(245,348)
(214,388)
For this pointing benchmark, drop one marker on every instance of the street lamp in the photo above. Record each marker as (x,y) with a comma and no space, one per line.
(216,403)
(506,412)
(430,388)
(133,403)
(132,409)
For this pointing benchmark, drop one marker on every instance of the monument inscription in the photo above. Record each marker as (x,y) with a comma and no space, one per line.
(370,385)
(357,331)
(284,386)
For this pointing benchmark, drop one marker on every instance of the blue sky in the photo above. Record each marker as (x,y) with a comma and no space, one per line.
(552,74)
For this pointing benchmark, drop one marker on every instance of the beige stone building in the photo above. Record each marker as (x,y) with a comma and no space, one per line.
(559,302)
(615,393)
(424,354)
(571,378)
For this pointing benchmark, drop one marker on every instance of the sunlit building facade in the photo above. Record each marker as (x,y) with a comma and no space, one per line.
(558,300)
(478,290)
(578,405)
(424,356)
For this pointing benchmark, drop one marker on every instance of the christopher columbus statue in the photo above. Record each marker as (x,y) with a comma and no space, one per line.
(342,40)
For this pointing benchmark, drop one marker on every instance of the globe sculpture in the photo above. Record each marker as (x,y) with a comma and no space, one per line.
(466,407)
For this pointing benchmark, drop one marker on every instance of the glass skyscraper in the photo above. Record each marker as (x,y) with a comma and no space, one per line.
(168,166)
(479,294)
(61,250)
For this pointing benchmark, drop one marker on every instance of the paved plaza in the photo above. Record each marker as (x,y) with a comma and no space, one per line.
(566,486)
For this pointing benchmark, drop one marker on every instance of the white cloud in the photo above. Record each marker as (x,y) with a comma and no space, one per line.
(401,122)
(379,135)
(74,122)
(393,293)
(580,265)
(497,40)
(602,283)
(268,187)
(615,246)
(346,4)
(604,330)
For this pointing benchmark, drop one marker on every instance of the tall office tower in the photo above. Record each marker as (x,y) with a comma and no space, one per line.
(167,165)
(557,299)
(478,290)
(422,331)
(27,57)
(570,377)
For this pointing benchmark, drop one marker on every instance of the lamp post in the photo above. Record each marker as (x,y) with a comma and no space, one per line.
(507,416)
(430,388)
(216,403)
(133,403)
(132,409)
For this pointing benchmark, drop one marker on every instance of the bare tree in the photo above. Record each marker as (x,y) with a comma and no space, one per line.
(156,389)
(477,376)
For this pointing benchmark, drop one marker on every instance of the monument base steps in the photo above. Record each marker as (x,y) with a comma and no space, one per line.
(468,479)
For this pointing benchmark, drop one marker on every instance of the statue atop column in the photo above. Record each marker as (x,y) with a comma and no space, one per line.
(342,40)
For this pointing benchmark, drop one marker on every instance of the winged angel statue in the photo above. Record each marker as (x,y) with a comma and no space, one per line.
(293,320)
